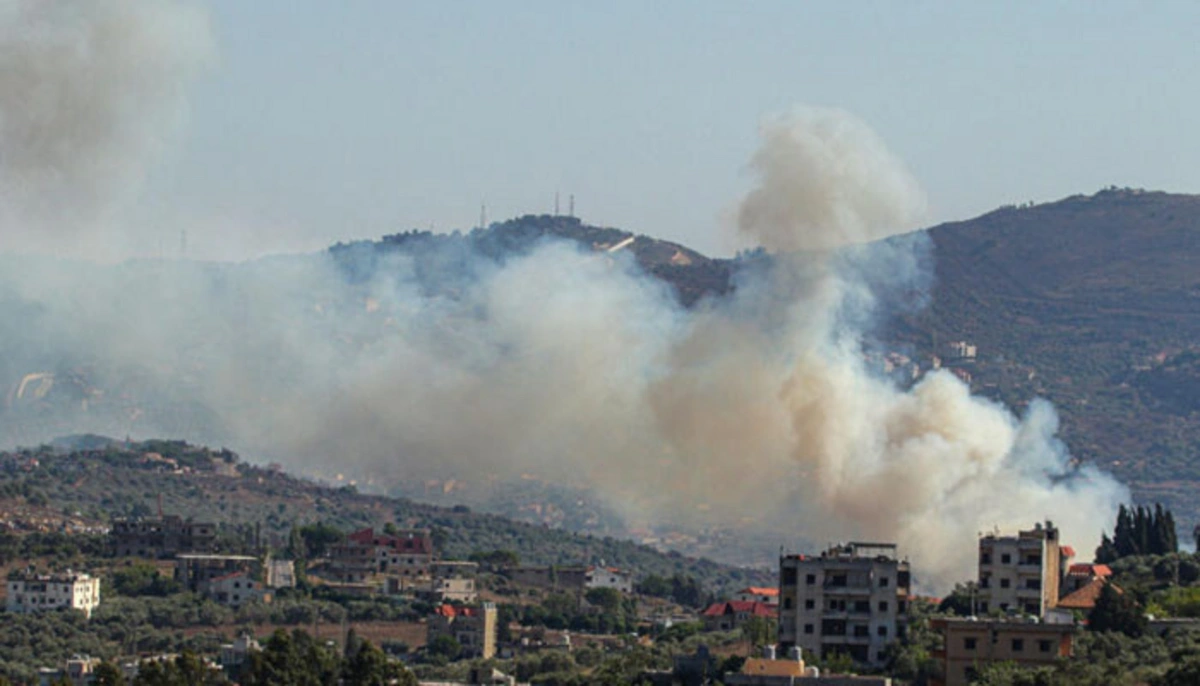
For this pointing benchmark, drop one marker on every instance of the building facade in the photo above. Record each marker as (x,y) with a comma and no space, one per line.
(852,599)
(156,537)
(969,644)
(406,553)
(33,592)
(473,627)
(1022,573)
(770,596)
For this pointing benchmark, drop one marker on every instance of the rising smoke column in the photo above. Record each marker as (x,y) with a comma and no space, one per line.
(561,362)
(799,416)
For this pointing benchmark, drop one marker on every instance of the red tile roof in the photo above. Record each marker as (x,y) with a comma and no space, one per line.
(1085,597)
(1088,569)
(733,607)
(452,611)
(759,590)
(1067,551)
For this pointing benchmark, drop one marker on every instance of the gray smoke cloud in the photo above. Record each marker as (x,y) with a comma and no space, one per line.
(89,94)
(757,409)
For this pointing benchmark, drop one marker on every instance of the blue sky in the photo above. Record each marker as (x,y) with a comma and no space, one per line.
(322,121)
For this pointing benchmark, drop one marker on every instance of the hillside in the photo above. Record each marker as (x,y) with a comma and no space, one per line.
(51,489)
(1092,302)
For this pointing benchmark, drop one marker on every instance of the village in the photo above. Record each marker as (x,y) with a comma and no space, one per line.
(835,618)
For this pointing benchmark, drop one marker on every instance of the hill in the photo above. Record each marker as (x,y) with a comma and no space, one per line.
(48,489)
(1091,302)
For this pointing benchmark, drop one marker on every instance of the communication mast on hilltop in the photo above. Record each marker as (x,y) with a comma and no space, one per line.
(556,203)
(483,216)
(572,206)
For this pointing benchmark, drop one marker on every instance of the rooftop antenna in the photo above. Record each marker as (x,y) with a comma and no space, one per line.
(482,216)
(572,206)
(556,203)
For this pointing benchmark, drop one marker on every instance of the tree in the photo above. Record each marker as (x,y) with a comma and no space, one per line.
(759,631)
(369,666)
(444,646)
(1185,673)
(1115,611)
(107,674)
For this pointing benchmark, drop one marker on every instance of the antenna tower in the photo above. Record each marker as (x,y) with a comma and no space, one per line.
(556,203)
(482,216)
(572,206)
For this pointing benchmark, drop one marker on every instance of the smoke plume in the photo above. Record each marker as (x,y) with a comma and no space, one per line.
(555,360)
(89,92)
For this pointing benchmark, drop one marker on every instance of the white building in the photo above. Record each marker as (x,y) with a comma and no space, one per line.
(235,589)
(608,577)
(1022,573)
(852,599)
(33,592)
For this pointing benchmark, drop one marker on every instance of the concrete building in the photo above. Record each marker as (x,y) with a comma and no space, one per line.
(791,671)
(575,578)
(732,614)
(32,592)
(163,536)
(852,599)
(473,627)
(406,553)
(453,581)
(607,577)
(1022,573)
(193,571)
(969,644)
(234,589)
(281,574)
(78,671)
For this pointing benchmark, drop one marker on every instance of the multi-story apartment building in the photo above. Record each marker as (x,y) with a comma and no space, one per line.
(968,645)
(32,592)
(852,599)
(163,536)
(364,553)
(473,627)
(1022,573)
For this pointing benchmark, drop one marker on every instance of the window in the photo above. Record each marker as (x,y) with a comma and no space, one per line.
(985,558)
(789,576)
(1018,645)
(969,643)
(861,631)
(881,630)
(810,579)
(983,607)
(883,582)
(1004,583)
(808,628)
(810,604)
(1005,559)
(787,603)
(883,606)
(1044,646)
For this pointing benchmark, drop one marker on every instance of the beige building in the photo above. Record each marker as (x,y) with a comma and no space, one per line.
(1022,573)
(453,581)
(32,592)
(473,627)
(852,599)
(969,644)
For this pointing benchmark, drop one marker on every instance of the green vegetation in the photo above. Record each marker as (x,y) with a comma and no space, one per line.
(1139,532)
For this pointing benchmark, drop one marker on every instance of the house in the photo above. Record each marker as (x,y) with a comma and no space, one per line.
(162,536)
(732,614)
(573,578)
(234,589)
(30,592)
(453,581)
(1021,573)
(1084,598)
(234,655)
(194,570)
(852,599)
(77,672)
(281,574)
(607,577)
(1083,574)
(970,644)
(767,595)
(406,553)
(473,627)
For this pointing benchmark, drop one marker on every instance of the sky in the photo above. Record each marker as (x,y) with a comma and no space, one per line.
(316,121)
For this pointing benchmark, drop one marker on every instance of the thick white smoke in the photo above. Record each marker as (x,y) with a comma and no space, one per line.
(562,362)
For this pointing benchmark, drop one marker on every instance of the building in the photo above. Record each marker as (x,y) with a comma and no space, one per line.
(575,578)
(77,672)
(157,537)
(770,671)
(770,596)
(453,581)
(969,644)
(194,571)
(32,592)
(1021,574)
(1083,599)
(1083,574)
(406,553)
(852,599)
(732,614)
(607,577)
(473,627)
(234,589)
(281,574)
(234,655)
